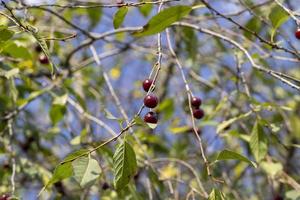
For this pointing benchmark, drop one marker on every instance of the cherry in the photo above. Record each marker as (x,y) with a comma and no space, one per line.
(4,197)
(277,197)
(196,102)
(147,84)
(198,113)
(43,59)
(38,48)
(150,117)
(150,101)
(297,34)
(105,186)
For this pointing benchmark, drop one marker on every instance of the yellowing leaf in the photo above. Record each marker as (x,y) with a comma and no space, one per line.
(168,172)
(115,73)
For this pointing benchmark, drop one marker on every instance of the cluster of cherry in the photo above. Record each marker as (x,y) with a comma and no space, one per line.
(151,101)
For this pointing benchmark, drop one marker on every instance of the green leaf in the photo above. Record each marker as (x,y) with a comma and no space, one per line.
(145,9)
(95,15)
(254,24)
(277,17)
(226,123)
(86,170)
(167,108)
(57,113)
(74,155)
(125,165)
(45,49)
(61,172)
(5,34)
(216,195)
(231,155)
(120,16)
(58,108)
(258,142)
(163,19)
(65,170)
(17,51)
(190,42)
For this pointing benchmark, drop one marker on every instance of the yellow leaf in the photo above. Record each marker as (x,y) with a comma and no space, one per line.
(115,73)
(168,171)
(26,64)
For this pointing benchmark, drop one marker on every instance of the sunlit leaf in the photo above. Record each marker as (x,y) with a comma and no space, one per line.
(120,16)
(125,165)
(86,170)
(163,19)
(277,16)
(258,142)
(231,155)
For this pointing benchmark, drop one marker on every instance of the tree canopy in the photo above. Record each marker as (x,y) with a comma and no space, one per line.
(158,99)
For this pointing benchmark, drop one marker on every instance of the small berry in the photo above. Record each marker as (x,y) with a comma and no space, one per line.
(150,101)
(278,197)
(38,48)
(43,59)
(196,102)
(150,117)
(147,84)
(198,113)
(105,186)
(297,34)
(4,197)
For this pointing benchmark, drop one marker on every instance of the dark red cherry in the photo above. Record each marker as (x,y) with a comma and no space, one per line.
(38,48)
(150,101)
(196,102)
(278,197)
(105,186)
(297,34)
(147,84)
(4,197)
(150,117)
(198,113)
(43,59)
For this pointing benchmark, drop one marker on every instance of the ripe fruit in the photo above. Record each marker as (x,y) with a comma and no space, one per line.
(38,48)
(297,34)
(198,113)
(196,102)
(150,117)
(277,197)
(147,84)
(43,59)
(150,101)
(4,197)
(105,186)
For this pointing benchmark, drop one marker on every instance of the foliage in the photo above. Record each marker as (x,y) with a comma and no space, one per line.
(72,125)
